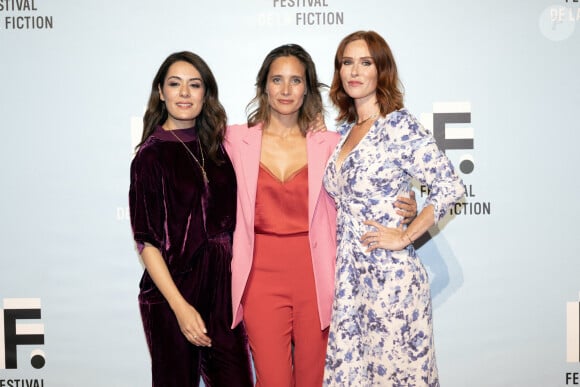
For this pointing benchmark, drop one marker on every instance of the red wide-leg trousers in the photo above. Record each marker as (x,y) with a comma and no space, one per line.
(281,314)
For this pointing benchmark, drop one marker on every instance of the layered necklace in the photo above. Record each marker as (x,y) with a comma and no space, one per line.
(200,165)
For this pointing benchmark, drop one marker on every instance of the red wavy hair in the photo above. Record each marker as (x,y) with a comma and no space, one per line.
(389,88)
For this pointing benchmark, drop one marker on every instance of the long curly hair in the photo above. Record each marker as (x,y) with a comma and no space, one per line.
(210,125)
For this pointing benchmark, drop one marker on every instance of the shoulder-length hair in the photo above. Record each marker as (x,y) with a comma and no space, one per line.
(389,88)
(211,123)
(312,104)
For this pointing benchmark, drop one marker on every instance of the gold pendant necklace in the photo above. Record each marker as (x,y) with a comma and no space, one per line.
(372,116)
(202,165)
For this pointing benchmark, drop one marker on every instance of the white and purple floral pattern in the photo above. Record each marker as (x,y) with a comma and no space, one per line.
(381,331)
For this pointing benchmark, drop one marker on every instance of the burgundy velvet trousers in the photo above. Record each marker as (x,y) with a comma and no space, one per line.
(175,362)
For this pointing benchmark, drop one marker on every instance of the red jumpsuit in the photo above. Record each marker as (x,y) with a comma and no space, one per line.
(280,308)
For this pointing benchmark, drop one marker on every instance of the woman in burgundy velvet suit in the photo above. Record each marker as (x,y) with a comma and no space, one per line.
(183,204)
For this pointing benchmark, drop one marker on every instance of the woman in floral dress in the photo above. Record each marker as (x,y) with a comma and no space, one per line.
(381,330)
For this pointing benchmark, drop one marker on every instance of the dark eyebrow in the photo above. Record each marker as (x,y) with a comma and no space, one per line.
(290,76)
(191,79)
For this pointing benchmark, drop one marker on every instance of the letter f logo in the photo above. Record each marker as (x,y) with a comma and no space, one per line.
(13,334)
(452,137)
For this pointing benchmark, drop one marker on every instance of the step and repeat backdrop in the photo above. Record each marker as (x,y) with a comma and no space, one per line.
(497,82)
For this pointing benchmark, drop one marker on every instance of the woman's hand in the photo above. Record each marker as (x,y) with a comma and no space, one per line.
(318,125)
(407,207)
(189,320)
(387,238)
(192,325)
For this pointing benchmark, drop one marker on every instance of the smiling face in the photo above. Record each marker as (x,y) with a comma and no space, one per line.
(358,72)
(286,86)
(182,91)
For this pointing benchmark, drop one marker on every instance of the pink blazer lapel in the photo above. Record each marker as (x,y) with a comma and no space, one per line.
(250,162)
(316,165)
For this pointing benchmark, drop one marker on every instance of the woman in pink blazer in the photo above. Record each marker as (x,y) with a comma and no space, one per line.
(243,145)
(285,237)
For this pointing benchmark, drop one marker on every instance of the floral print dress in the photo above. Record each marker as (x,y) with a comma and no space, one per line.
(381,330)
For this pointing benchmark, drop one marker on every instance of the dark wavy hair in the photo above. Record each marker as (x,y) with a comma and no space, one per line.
(210,125)
(389,87)
(312,104)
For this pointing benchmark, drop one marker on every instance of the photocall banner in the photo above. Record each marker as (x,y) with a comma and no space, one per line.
(497,83)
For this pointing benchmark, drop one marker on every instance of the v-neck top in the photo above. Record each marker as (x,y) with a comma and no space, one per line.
(281,206)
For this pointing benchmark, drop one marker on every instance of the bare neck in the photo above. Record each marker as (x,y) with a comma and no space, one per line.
(283,125)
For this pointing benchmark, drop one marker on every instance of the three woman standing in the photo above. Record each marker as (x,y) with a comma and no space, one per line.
(284,241)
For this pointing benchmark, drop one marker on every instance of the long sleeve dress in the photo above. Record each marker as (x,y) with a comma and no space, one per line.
(381,328)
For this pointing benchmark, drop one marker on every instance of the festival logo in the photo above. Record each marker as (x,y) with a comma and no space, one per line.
(23,15)
(14,333)
(452,137)
(450,123)
(558,22)
(304,13)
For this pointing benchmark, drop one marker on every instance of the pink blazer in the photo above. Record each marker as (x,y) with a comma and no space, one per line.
(243,145)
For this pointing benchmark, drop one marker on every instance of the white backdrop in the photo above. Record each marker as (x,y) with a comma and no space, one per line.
(74,81)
